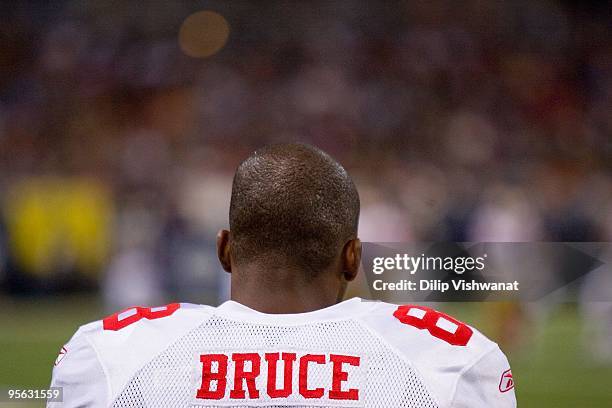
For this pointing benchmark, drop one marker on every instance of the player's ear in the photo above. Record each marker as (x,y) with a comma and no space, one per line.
(223,249)
(351,259)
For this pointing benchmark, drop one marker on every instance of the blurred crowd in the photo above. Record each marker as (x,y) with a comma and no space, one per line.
(463,121)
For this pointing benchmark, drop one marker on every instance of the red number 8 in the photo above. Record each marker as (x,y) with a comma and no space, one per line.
(117,322)
(430,320)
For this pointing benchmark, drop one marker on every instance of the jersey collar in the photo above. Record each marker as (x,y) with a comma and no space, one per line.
(341,311)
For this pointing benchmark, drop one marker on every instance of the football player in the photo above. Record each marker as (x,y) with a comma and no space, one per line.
(285,338)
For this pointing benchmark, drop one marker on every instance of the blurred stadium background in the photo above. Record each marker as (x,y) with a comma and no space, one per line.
(121,124)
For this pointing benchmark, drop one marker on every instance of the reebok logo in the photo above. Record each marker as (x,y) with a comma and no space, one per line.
(506,383)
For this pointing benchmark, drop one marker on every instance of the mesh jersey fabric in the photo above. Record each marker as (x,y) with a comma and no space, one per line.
(150,357)
(391,382)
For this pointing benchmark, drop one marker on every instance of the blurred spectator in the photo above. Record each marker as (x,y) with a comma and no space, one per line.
(470,120)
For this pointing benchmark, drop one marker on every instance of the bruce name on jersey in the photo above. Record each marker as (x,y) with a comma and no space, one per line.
(281,377)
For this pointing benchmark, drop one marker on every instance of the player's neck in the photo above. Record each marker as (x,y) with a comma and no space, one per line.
(282,296)
(283,303)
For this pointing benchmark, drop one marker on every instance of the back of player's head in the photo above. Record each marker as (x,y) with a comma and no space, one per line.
(292,205)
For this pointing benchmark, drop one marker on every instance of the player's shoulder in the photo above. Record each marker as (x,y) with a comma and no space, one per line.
(442,349)
(132,324)
(422,329)
(124,341)
(145,329)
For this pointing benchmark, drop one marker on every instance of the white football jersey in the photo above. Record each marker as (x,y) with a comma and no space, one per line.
(354,354)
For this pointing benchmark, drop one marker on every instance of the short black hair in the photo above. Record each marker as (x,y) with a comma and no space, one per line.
(293,205)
